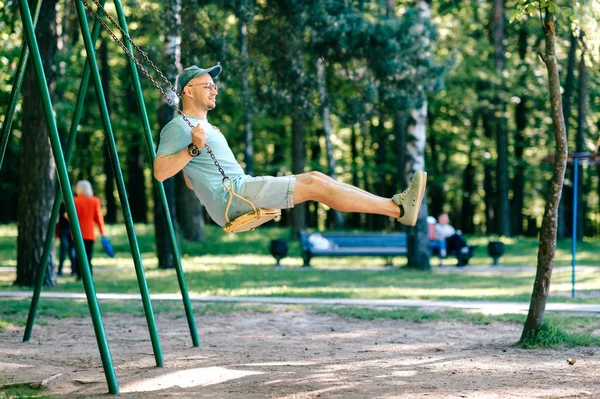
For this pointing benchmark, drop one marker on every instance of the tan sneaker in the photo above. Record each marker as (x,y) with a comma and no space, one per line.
(410,199)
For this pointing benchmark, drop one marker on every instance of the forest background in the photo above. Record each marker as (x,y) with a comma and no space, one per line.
(365,91)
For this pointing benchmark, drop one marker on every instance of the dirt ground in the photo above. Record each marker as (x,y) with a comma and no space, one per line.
(296,354)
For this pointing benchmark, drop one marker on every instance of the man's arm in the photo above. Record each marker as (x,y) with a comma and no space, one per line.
(166,166)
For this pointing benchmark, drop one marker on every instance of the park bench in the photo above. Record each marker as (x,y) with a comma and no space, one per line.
(387,245)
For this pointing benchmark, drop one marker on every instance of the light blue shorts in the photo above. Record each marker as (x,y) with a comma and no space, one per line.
(264,192)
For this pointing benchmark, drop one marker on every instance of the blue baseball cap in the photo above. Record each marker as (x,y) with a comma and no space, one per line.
(191,72)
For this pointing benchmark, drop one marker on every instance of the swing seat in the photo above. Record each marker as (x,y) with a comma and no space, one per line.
(251,220)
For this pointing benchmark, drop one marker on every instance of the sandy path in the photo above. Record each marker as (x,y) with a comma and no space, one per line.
(297,354)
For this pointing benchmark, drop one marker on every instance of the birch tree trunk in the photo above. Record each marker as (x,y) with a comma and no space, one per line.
(418,237)
(547,247)
(171,51)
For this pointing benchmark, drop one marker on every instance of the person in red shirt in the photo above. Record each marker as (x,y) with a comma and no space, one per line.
(89,214)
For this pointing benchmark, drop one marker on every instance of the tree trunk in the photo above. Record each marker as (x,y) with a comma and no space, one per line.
(547,247)
(563,217)
(418,236)
(580,140)
(468,208)
(469,187)
(190,213)
(338,218)
(435,188)
(136,183)
(246,95)
(518,183)
(166,258)
(38,170)
(298,162)
(367,141)
(380,184)
(191,218)
(416,138)
(355,218)
(109,183)
(313,153)
(502,179)
(171,50)
(488,185)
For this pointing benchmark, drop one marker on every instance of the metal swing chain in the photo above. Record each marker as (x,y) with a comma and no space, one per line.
(136,47)
(146,73)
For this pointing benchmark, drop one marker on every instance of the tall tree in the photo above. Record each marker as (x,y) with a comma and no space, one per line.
(136,182)
(580,137)
(502,179)
(190,212)
(171,52)
(338,218)
(109,183)
(38,178)
(418,251)
(288,93)
(518,183)
(563,217)
(467,206)
(547,246)
(245,13)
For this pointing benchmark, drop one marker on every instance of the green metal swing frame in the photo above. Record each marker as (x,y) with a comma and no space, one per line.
(62,160)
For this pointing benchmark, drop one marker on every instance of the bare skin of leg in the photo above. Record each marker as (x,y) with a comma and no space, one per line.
(316,186)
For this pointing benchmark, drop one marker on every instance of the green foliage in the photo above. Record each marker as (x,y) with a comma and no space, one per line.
(552,335)
(377,65)
(534,8)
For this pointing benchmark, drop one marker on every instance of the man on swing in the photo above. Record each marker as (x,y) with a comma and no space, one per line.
(182,149)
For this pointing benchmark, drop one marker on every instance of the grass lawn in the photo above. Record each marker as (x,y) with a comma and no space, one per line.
(240,264)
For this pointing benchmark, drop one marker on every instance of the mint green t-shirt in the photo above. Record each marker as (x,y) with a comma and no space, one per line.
(201,170)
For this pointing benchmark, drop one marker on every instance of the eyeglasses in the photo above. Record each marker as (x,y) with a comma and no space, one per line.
(207,85)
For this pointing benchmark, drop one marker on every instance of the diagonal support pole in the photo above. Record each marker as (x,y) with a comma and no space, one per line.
(159,186)
(114,158)
(41,272)
(68,195)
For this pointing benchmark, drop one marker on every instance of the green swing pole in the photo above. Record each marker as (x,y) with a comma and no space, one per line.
(159,186)
(70,205)
(16,88)
(114,157)
(58,195)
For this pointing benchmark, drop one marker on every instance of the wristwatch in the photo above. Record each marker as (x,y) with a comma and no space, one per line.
(193,150)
